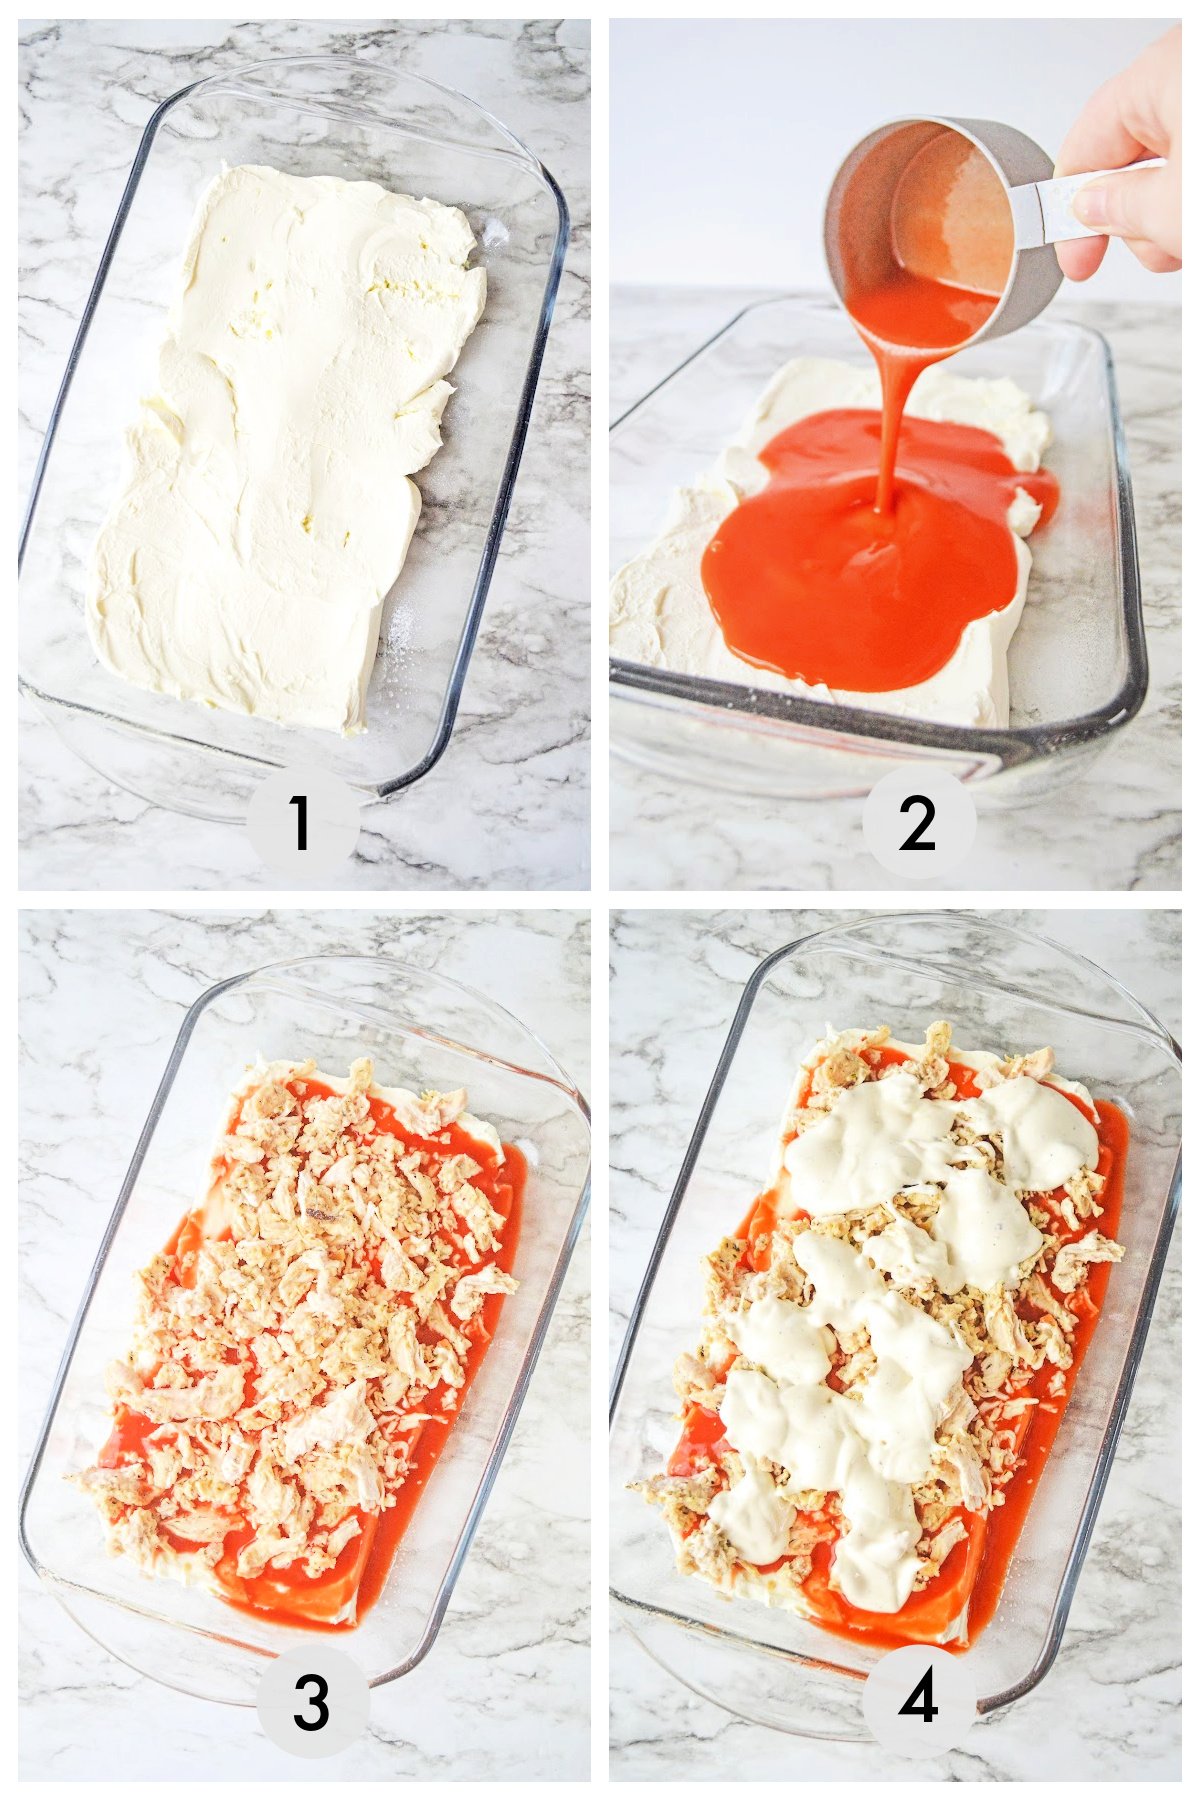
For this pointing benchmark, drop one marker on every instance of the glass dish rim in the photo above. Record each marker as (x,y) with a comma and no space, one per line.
(1151,1029)
(997,749)
(372,791)
(533,1346)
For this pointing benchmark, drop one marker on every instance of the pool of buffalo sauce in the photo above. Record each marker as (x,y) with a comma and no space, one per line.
(970,1582)
(878,539)
(357,1578)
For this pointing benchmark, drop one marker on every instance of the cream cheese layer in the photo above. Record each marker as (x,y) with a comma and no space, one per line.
(659,611)
(267,507)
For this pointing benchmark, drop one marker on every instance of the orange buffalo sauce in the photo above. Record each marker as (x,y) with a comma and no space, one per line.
(964,1594)
(878,540)
(920,287)
(808,579)
(359,1574)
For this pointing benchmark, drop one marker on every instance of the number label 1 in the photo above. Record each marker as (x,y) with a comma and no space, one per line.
(303,821)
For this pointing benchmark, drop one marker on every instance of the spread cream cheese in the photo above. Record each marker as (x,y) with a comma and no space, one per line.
(267,508)
(660,615)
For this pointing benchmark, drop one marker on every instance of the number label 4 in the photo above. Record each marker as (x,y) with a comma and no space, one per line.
(921,1699)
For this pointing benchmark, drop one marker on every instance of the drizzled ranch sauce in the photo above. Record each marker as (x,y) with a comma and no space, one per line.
(892,1336)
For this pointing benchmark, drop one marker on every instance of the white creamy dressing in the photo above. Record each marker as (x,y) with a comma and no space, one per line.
(754,1517)
(1046,1139)
(884,1136)
(869,1450)
(787,1339)
(980,1235)
(878,1139)
(267,507)
(659,611)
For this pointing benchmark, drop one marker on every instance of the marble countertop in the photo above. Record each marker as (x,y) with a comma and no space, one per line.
(1109,1708)
(1116,826)
(504,1693)
(519,757)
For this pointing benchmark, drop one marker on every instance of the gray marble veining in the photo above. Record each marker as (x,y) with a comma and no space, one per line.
(1116,826)
(504,1694)
(1109,1708)
(507,806)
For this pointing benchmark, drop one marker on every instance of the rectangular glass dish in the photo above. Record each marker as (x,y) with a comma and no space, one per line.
(1001,989)
(422,1031)
(319,115)
(1077,664)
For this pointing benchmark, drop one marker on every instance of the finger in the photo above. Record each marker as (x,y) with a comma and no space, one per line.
(1132,205)
(1080,258)
(1129,116)
(1100,138)
(1153,256)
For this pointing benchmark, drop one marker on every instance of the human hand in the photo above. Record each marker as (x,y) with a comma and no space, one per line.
(1136,114)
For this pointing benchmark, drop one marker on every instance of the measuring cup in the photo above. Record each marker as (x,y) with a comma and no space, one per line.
(968,203)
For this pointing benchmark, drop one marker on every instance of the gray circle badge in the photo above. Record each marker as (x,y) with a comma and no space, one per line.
(303,821)
(314,1702)
(919,1701)
(919,821)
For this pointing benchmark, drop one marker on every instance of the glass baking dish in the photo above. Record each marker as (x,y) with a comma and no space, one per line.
(309,115)
(1077,664)
(422,1031)
(1001,988)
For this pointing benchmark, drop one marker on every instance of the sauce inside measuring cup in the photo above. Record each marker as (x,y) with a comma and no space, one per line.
(926,249)
(872,548)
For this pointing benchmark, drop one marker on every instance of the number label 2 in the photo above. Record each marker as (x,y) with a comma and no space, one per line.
(915,839)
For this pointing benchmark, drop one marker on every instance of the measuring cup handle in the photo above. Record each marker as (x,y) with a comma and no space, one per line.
(1042,211)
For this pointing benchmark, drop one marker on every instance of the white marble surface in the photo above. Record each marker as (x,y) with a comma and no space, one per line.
(1116,826)
(519,757)
(1109,1708)
(504,1694)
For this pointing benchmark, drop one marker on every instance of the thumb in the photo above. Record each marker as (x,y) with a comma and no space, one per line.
(1132,205)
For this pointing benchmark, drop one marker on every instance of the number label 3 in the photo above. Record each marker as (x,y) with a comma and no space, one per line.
(317,1698)
(313,1703)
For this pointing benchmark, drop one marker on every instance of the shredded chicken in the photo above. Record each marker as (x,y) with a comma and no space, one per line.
(317,1314)
(1012,1333)
(1073,1260)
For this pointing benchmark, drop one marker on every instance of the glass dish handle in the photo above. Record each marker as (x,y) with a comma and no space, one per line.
(346,88)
